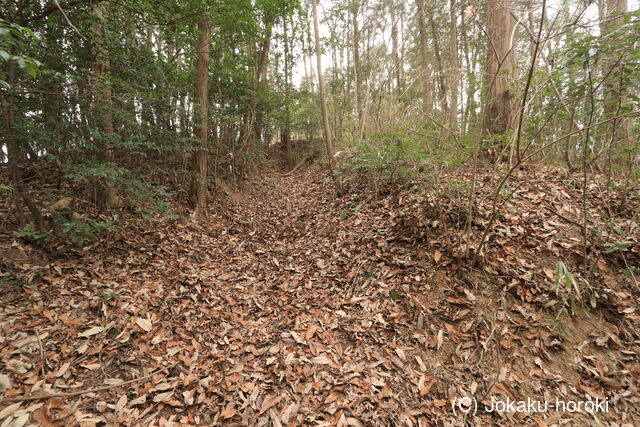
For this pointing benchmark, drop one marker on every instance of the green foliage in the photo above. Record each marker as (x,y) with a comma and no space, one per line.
(305,115)
(149,200)
(394,295)
(75,231)
(389,154)
(12,36)
(346,213)
(80,231)
(11,282)
(109,298)
(612,247)
(151,77)
(28,233)
(566,287)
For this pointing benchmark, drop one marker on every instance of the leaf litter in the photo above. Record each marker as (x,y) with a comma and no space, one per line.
(291,307)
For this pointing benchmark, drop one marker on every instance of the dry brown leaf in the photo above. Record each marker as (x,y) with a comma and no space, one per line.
(311,330)
(321,360)
(229,412)
(269,402)
(64,318)
(425,390)
(9,410)
(92,331)
(144,324)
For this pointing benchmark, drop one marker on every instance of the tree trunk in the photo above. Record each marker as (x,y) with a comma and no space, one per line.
(619,129)
(199,183)
(455,72)
(357,90)
(308,38)
(499,111)
(323,104)
(442,86)
(396,57)
(469,116)
(424,61)
(286,131)
(103,113)
(13,150)
(249,132)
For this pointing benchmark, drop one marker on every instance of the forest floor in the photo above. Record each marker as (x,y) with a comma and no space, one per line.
(290,307)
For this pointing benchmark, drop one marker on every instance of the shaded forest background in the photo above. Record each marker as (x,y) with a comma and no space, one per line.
(128,102)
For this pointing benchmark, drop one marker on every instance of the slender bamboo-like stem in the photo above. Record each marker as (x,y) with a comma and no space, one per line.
(323,104)
(529,77)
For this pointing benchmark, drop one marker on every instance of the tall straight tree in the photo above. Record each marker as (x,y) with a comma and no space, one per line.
(200,155)
(620,129)
(323,105)
(357,89)
(286,130)
(424,60)
(259,74)
(103,113)
(455,72)
(499,108)
(14,153)
(442,85)
(394,51)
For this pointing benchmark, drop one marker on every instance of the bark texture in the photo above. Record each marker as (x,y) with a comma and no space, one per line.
(200,156)
(102,107)
(499,108)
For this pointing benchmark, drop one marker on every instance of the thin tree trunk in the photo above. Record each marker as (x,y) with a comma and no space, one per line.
(396,57)
(468,116)
(424,62)
(286,132)
(323,104)
(442,85)
(250,128)
(619,130)
(357,89)
(455,72)
(13,150)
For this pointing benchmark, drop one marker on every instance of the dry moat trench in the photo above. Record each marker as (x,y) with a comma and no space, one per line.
(291,307)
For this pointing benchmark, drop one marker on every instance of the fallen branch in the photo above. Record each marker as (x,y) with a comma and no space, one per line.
(79,392)
(294,169)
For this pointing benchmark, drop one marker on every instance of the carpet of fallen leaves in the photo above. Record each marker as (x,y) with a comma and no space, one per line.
(291,307)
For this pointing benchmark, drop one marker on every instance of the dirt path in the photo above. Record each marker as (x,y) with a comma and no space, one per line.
(258,321)
(289,308)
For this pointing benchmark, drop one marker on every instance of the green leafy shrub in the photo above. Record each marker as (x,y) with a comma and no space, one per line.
(76,231)
(28,233)
(391,155)
(80,231)
(567,288)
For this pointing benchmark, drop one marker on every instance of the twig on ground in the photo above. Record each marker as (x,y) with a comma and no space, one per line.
(42,357)
(295,168)
(81,392)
